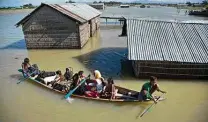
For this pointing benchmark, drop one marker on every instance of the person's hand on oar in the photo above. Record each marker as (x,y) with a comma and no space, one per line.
(67,96)
(155,101)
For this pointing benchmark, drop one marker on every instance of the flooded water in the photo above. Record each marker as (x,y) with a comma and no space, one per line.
(187,100)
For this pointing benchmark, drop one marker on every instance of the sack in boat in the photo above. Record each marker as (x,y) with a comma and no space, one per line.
(34,69)
(44,74)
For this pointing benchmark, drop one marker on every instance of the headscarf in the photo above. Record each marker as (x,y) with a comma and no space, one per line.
(97,74)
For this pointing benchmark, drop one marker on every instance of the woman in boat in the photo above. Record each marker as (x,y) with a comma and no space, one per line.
(68,74)
(95,86)
(75,81)
(110,90)
(149,88)
(81,90)
(99,81)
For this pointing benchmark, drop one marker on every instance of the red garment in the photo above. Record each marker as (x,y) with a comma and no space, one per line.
(91,94)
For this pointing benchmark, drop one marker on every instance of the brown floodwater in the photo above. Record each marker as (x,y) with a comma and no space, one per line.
(187,100)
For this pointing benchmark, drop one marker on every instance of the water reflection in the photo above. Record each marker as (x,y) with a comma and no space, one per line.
(110,61)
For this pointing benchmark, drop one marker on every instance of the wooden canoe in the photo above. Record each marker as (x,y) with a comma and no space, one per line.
(122,96)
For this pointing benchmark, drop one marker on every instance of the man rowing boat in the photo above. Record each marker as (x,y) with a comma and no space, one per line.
(149,88)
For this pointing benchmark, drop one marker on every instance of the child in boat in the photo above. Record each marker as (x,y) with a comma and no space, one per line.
(81,75)
(149,88)
(58,85)
(59,77)
(110,90)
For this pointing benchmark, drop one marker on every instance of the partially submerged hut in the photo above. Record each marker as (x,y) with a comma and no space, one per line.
(99,6)
(60,26)
(168,49)
(124,6)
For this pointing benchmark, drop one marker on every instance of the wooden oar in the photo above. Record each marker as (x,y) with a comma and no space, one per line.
(67,96)
(145,111)
(20,70)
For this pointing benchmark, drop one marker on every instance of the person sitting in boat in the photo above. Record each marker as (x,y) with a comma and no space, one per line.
(59,77)
(68,74)
(82,87)
(148,89)
(81,75)
(99,81)
(75,81)
(29,70)
(94,87)
(58,83)
(109,90)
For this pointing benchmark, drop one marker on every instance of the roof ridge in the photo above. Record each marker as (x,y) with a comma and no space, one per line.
(70,11)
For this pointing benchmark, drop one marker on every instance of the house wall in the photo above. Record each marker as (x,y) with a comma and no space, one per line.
(170,69)
(47,28)
(95,25)
(84,31)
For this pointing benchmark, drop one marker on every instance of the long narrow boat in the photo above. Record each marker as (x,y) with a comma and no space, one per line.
(124,95)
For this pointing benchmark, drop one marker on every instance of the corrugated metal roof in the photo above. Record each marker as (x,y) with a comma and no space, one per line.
(67,12)
(167,41)
(77,11)
(83,10)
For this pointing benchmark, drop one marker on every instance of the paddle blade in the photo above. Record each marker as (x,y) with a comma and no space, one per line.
(68,95)
(19,82)
(69,99)
(20,70)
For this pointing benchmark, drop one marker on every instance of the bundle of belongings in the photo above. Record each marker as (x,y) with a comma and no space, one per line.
(55,80)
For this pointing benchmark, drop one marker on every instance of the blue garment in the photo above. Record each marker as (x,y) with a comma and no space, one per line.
(99,88)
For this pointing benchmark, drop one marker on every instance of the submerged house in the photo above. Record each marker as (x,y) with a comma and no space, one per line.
(168,49)
(124,6)
(99,6)
(60,26)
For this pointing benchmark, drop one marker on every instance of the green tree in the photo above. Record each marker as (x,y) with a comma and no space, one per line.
(189,3)
(204,2)
(28,6)
(70,1)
